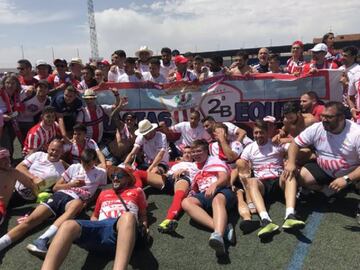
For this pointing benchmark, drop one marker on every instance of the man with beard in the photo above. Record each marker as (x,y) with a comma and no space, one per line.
(337,146)
(318,60)
(241,66)
(309,103)
(167,66)
(267,162)
(294,123)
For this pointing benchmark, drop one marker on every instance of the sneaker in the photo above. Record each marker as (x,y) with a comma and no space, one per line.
(230,234)
(268,229)
(38,247)
(248,226)
(168,226)
(216,242)
(292,223)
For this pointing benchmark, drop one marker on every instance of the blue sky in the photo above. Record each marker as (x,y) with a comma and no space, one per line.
(188,25)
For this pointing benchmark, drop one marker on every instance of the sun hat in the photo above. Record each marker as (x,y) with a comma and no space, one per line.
(145,127)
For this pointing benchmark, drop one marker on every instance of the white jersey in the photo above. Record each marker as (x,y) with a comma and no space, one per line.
(166,70)
(189,134)
(148,77)
(93,179)
(75,150)
(353,73)
(190,167)
(216,151)
(114,76)
(128,78)
(94,122)
(208,173)
(39,165)
(32,107)
(152,147)
(337,154)
(267,161)
(232,133)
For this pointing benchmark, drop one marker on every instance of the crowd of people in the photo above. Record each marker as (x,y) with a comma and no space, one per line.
(71,146)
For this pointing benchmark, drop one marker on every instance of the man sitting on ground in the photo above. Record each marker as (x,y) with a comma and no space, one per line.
(212,192)
(112,228)
(266,161)
(78,184)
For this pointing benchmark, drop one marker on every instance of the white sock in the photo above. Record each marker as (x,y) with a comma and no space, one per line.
(327,191)
(289,211)
(265,215)
(5,241)
(49,232)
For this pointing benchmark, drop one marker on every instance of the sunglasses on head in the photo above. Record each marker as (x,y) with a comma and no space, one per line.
(118,175)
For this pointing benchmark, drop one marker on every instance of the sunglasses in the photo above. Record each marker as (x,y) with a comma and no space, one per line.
(118,175)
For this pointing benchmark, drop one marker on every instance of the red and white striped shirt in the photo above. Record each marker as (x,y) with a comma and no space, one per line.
(294,66)
(39,138)
(94,120)
(326,65)
(75,150)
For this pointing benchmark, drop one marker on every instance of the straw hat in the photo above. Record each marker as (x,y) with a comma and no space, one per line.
(145,127)
(144,49)
(89,94)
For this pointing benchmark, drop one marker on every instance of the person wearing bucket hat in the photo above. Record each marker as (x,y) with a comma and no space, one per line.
(92,115)
(318,61)
(143,54)
(33,106)
(8,178)
(155,147)
(119,214)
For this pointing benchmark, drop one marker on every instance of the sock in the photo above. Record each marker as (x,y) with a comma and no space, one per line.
(49,233)
(5,241)
(176,204)
(141,178)
(327,191)
(265,215)
(289,211)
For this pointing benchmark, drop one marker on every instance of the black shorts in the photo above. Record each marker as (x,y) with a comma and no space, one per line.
(57,203)
(321,177)
(271,187)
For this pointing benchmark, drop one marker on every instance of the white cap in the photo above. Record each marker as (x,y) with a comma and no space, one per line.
(41,63)
(320,47)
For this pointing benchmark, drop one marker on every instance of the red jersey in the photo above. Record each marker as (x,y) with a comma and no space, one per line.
(317,111)
(39,138)
(109,205)
(326,65)
(32,81)
(294,66)
(54,80)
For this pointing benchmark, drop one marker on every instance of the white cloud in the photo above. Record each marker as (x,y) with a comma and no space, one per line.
(211,25)
(11,15)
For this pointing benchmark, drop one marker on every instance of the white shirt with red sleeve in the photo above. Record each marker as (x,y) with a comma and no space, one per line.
(267,161)
(39,138)
(94,120)
(189,134)
(109,205)
(75,150)
(93,179)
(153,146)
(39,165)
(337,154)
(208,173)
(190,168)
(32,107)
(216,150)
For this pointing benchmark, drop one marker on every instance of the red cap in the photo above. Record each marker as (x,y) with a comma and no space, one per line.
(298,42)
(105,62)
(180,59)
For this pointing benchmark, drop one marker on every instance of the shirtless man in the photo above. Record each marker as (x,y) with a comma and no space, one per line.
(241,66)
(294,123)
(9,176)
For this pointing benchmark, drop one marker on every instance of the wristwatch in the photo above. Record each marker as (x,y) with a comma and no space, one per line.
(347,179)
